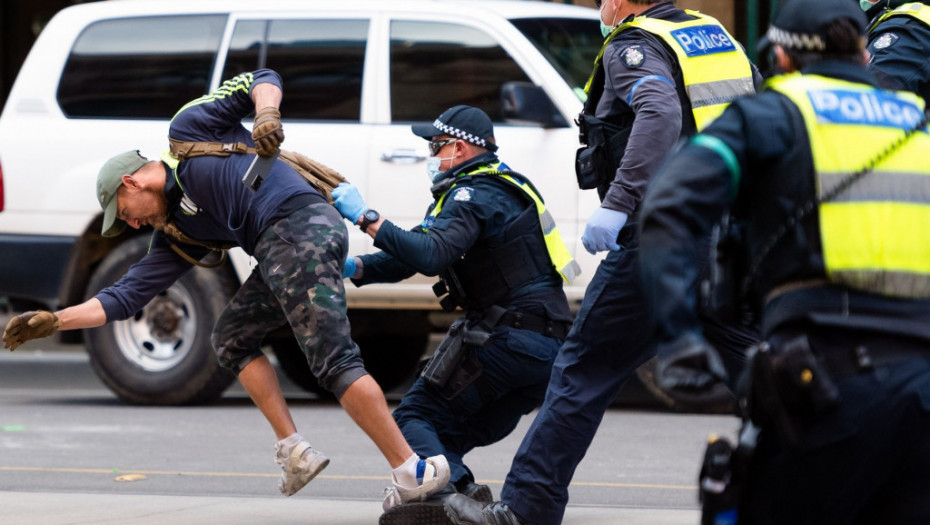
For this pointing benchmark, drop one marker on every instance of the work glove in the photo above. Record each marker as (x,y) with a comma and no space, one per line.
(267,132)
(690,371)
(349,202)
(30,325)
(600,234)
(349,269)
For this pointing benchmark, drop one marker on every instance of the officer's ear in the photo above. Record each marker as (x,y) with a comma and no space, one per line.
(783,60)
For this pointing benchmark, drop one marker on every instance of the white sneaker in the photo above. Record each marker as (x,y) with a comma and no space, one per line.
(432,475)
(300,466)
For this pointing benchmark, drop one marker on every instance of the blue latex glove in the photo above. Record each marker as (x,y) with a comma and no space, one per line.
(600,234)
(349,269)
(349,201)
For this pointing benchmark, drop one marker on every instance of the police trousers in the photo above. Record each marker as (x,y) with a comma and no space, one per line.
(864,461)
(515,366)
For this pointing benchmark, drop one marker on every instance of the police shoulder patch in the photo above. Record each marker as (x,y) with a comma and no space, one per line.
(885,41)
(632,56)
(463,194)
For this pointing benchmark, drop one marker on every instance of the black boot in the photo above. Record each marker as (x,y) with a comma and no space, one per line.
(463,510)
(480,493)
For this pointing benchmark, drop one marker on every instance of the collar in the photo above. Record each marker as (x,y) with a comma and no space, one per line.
(842,70)
(173,190)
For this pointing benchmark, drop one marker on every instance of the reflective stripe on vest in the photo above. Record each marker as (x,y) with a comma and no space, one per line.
(914,9)
(875,234)
(559,255)
(714,68)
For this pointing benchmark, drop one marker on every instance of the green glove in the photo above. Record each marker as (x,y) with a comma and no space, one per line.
(267,131)
(30,325)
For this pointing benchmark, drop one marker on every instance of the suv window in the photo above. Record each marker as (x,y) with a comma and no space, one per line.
(140,67)
(570,45)
(437,65)
(320,62)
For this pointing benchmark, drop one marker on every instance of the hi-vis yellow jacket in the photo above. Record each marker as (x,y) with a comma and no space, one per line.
(714,67)
(875,233)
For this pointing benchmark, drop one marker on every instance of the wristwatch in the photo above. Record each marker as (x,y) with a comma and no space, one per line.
(370,217)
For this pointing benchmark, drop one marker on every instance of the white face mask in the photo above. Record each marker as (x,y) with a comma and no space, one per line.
(432,165)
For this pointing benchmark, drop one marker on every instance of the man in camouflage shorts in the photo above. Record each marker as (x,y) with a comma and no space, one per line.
(196,203)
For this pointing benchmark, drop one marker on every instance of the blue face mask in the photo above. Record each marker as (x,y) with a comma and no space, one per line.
(866,5)
(606,30)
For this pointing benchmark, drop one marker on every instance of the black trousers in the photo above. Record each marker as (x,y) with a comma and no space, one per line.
(865,462)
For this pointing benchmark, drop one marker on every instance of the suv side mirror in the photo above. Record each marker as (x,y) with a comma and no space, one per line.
(525,103)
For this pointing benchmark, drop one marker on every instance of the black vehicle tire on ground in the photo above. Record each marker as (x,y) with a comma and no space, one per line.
(391,344)
(162,355)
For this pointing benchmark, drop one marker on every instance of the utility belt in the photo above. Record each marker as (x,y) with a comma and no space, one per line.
(455,365)
(792,376)
(535,323)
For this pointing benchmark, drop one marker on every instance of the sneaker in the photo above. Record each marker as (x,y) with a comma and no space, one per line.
(300,466)
(432,475)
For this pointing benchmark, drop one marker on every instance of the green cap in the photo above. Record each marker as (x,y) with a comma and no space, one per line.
(109,180)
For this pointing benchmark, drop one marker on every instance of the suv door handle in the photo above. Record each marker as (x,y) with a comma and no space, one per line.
(402,156)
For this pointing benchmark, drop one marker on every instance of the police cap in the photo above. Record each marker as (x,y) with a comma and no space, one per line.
(802,24)
(462,122)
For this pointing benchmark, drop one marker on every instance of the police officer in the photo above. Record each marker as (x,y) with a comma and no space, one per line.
(288,226)
(826,177)
(661,74)
(488,236)
(899,44)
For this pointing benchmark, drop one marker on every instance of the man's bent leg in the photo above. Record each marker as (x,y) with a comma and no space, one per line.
(261,382)
(364,402)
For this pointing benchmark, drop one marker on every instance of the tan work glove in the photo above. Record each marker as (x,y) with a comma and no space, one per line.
(267,131)
(30,325)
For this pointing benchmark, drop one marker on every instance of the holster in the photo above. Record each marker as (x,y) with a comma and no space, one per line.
(789,388)
(454,364)
(597,161)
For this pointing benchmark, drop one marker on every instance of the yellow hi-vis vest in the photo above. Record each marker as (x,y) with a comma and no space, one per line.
(875,233)
(559,255)
(714,68)
(914,9)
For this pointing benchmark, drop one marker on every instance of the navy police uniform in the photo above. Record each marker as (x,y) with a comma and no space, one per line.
(487,245)
(899,44)
(841,387)
(644,95)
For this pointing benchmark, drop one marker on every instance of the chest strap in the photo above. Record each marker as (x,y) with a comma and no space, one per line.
(321,177)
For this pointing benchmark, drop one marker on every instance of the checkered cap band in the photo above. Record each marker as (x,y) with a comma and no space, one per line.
(462,134)
(798,41)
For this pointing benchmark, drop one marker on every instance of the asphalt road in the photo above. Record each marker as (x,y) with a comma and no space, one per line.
(71,453)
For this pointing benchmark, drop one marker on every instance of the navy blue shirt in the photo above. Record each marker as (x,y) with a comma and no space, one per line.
(207,199)
(900,54)
(461,224)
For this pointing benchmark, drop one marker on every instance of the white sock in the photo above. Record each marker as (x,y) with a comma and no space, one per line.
(286,445)
(406,474)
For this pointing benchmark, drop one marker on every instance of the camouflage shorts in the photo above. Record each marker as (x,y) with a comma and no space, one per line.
(298,280)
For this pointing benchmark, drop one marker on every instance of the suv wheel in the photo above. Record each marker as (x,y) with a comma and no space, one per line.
(162,355)
(391,344)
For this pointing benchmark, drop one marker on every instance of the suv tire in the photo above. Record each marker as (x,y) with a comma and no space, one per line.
(162,355)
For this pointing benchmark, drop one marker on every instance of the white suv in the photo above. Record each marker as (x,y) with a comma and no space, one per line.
(106,77)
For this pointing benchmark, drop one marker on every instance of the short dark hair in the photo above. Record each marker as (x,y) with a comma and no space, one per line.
(844,42)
